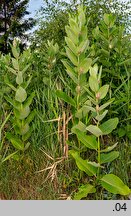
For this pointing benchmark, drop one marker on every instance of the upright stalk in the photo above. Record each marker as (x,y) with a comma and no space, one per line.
(99,159)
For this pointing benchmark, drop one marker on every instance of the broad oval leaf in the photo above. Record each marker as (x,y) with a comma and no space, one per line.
(94,71)
(62,95)
(83,165)
(85,65)
(27,135)
(115,185)
(107,19)
(24,129)
(108,126)
(72,35)
(89,141)
(71,45)
(83,46)
(93,83)
(82,112)
(16,142)
(71,56)
(74,25)
(29,100)
(103,91)
(15,64)
(70,71)
(30,117)
(22,113)
(20,95)
(83,191)
(15,52)
(80,126)
(19,78)
(94,130)
(100,117)
(81,16)
(109,157)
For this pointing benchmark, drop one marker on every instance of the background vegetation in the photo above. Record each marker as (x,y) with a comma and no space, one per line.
(34,154)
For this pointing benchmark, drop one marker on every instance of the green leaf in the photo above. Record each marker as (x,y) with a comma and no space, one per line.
(83,164)
(65,97)
(100,117)
(108,126)
(80,126)
(27,82)
(70,71)
(94,71)
(29,100)
(85,65)
(94,164)
(6,79)
(12,102)
(109,157)
(27,146)
(96,32)
(115,185)
(20,95)
(9,156)
(27,135)
(107,19)
(94,130)
(11,70)
(72,35)
(89,141)
(71,56)
(83,46)
(17,157)
(110,148)
(15,52)
(81,113)
(106,104)
(24,129)
(74,25)
(25,69)
(93,83)
(103,91)
(84,190)
(83,35)
(30,117)
(105,52)
(22,112)
(16,142)
(121,132)
(19,78)
(15,64)
(81,16)
(71,45)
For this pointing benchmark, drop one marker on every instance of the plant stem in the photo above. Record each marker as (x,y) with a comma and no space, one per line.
(99,159)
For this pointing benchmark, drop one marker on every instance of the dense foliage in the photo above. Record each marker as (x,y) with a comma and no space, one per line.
(65,108)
